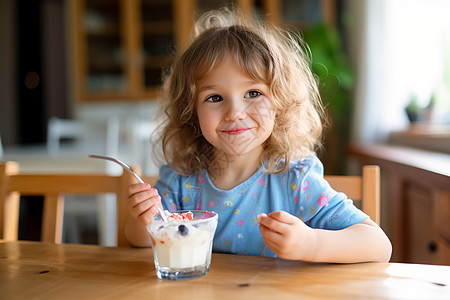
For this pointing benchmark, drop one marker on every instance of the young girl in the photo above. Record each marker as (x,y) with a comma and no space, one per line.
(243,120)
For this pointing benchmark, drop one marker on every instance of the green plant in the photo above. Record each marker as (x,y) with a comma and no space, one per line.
(330,64)
(413,105)
(413,109)
(336,82)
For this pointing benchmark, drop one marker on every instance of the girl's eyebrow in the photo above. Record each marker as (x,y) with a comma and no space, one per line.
(206,87)
(214,86)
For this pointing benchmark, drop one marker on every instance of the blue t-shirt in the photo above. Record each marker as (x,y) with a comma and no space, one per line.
(301,191)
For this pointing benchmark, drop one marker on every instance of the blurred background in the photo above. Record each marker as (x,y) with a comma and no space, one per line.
(82,76)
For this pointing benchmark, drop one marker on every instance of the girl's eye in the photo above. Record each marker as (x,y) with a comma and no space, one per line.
(214,98)
(252,94)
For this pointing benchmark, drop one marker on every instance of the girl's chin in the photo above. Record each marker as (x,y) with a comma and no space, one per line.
(238,151)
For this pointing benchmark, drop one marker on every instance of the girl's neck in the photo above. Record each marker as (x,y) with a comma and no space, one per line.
(230,171)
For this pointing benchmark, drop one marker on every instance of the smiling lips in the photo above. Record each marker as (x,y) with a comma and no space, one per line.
(235,131)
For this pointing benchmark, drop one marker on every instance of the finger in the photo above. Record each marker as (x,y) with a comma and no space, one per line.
(280,221)
(260,216)
(271,238)
(138,187)
(269,233)
(272,246)
(147,216)
(139,197)
(271,223)
(265,222)
(283,216)
(148,208)
(147,204)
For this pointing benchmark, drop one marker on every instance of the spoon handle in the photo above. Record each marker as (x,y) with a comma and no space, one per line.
(126,167)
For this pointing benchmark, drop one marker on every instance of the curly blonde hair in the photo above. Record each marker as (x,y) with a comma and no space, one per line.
(266,54)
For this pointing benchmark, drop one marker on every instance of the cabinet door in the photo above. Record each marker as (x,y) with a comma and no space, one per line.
(121,46)
(158,40)
(427,224)
(165,27)
(102,57)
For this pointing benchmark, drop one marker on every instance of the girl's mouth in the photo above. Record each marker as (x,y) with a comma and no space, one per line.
(235,131)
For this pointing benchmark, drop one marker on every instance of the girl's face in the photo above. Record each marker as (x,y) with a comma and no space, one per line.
(235,112)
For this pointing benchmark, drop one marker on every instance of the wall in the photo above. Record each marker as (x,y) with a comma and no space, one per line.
(7,72)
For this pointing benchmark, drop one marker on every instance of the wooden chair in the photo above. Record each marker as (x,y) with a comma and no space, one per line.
(53,187)
(365,188)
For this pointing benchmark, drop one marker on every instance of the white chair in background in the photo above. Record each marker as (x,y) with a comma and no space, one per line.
(88,136)
(143,135)
(58,129)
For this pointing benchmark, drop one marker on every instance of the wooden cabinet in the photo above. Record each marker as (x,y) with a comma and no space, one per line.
(415,200)
(427,219)
(119,47)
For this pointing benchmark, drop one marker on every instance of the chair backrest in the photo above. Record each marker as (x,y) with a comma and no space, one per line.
(84,131)
(53,187)
(364,188)
(143,136)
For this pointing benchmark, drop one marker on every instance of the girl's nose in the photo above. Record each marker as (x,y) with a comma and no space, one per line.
(236,110)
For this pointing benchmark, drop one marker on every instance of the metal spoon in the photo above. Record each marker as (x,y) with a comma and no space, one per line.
(126,167)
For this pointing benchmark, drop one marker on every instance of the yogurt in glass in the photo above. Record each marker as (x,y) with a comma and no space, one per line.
(182,247)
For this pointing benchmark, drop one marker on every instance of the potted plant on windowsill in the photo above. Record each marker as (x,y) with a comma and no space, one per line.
(413,110)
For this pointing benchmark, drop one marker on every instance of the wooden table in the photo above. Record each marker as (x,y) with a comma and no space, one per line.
(34,270)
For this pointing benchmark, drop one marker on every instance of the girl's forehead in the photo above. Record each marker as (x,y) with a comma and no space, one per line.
(205,67)
(252,68)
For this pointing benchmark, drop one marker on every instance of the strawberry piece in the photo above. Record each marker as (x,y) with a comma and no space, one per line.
(189,216)
(176,217)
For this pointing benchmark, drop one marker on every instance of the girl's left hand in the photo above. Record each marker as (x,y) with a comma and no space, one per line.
(287,236)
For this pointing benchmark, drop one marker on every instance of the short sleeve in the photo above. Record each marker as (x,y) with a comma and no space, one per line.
(321,206)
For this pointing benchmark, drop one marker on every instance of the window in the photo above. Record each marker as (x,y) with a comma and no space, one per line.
(402,51)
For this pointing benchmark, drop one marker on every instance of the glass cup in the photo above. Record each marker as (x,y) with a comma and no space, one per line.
(182,249)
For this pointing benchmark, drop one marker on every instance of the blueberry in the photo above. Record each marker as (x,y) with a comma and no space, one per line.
(183,230)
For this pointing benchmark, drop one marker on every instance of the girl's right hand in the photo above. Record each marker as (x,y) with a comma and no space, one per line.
(143,202)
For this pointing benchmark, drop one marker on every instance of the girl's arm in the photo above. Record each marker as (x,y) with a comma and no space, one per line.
(290,238)
(137,234)
(143,202)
